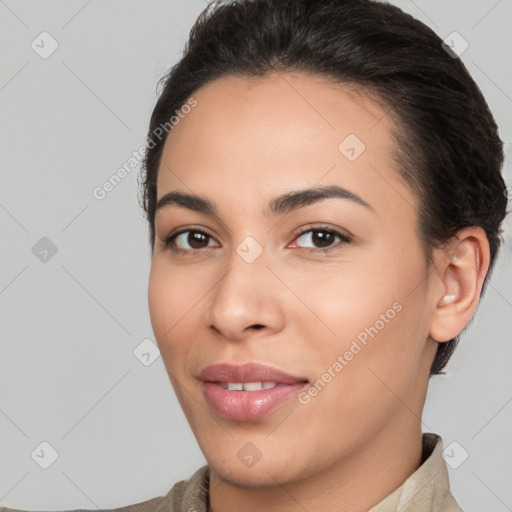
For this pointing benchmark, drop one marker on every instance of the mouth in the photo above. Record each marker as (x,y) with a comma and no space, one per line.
(248,392)
(248,386)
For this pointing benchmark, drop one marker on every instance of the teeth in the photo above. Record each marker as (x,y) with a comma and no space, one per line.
(247,386)
(253,386)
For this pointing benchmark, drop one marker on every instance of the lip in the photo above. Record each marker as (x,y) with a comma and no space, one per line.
(249,372)
(248,405)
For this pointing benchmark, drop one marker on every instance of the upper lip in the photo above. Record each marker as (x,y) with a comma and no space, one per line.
(249,372)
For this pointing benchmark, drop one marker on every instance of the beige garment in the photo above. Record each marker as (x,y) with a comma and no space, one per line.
(426,490)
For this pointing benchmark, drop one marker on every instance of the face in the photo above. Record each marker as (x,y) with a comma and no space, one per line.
(331,290)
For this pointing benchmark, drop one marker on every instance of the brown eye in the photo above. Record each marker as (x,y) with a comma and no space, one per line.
(196,240)
(322,239)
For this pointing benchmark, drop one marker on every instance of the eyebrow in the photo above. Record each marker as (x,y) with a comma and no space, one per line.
(280,205)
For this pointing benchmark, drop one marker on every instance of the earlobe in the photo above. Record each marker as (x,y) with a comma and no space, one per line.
(463,271)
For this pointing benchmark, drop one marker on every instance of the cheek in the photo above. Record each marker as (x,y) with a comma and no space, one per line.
(173,292)
(340,302)
(176,300)
(369,317)
(360,370)
(171,297)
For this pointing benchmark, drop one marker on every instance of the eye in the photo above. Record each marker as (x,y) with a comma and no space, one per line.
(194,237)
(322,237)
(198,240)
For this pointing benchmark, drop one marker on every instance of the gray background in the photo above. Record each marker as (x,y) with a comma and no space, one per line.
(70,325)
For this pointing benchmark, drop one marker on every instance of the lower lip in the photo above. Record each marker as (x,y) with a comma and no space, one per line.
(249,405)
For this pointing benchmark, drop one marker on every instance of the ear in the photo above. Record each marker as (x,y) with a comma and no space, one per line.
(462,270)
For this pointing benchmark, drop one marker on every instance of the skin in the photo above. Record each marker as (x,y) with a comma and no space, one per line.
(247,141)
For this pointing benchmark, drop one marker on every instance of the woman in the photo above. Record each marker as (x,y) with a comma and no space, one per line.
(325,210)
(323,218)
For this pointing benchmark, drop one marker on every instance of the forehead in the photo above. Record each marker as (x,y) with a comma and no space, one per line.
(252,137)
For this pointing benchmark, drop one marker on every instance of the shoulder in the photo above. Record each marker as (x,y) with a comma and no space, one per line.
(185,495)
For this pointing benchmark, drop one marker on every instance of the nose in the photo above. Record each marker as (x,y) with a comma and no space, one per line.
(248,298)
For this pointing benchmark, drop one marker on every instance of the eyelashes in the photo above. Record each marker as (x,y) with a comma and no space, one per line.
(331,233)
(170,241)
(197,236)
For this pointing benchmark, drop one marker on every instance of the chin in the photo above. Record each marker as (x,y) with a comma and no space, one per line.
(268,471)
(259,476)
